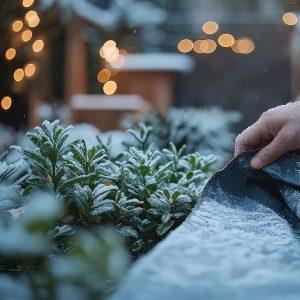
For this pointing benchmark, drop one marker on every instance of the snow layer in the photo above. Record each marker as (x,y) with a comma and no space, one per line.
(233,245)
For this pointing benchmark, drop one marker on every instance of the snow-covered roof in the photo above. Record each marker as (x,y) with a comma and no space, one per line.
(168,62)
(114,102)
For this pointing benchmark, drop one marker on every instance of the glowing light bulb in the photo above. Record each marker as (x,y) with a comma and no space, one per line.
(18,75)
(110,87)
(10,53)
(28,3)
(185,46)
(38,46)
(290,19)
(6,103)
(26,35)
(226,40)
(29,70)
(17,26)
(103,75)
(210,27)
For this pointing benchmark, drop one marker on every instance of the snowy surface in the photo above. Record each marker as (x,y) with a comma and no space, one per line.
(232,246)
(167,62)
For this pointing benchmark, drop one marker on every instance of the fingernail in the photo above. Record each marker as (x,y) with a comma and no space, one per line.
(256,163)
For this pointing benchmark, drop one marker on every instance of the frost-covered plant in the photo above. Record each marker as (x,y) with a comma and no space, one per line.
(144,193)
(36,267)
(206,130)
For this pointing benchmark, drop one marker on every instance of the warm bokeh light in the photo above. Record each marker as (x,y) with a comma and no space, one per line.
(290,19)
(110,87)
(108,44)
(28,3)
(119,63)
(205,46)
(26,35)
(18,75)
(197,46)
(210,27)
(29,70)
(32,18)
(111,54)
(244,46)
(103,75)
(10,53)
(211,46)
(185,46)
(38,46)
(17,26)
(6,103)
(226,40)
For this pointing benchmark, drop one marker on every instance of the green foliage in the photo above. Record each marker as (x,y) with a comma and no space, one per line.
(144,194)
(69,189)
(205,130)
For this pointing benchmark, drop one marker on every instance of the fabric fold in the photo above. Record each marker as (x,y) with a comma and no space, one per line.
(241,241)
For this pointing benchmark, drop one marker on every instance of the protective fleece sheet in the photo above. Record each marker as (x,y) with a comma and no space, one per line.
(240,242)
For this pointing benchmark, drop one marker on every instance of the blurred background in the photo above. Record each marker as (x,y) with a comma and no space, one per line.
(96,60)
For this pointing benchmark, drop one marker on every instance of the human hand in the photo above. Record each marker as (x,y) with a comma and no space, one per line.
(277,131)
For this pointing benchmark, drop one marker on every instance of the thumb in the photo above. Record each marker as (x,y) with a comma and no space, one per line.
(281,144)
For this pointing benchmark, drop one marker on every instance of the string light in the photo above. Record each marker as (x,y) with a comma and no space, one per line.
(32,18)
(17,26)
(243,46)
(6,103)
(28,3)
(29,70)
(18,75)
(38,46)
(119,63)
(226,40)
(10,53)
(210,27)
(103,76)
(290,19)
(26,35)
(110,87)
(185,46)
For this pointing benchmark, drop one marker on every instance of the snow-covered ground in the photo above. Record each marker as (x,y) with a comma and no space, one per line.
(231,247)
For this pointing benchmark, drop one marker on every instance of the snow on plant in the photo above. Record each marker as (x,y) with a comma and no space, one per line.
(207,130)
(144,193)
(31,250)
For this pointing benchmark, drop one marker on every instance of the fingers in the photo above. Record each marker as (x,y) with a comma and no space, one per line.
(252,137)
(282,143)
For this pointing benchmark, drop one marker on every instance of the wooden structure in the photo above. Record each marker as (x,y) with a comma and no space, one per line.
(153,76)
(105,112)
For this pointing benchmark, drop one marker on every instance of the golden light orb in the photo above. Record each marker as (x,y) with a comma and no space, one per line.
(108,44)
(32,18)
(103,76)
(185,46)
(10,53)
(226,40)
(111,54)
(17,26)
(19,75)
(244,46)
(290,19)
(26,35)
(110,87)
(29,70)
(28,3)
(200,46)
(38,46)
(6,103)
(210,27)
(119,63)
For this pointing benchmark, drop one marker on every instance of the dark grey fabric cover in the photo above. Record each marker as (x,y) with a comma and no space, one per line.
(240,242)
